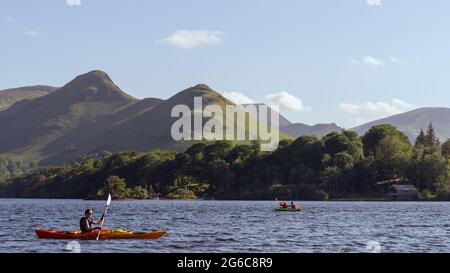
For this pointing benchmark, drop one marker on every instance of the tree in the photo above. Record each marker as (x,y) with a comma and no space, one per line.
(115,186)
(346,141)
(305,168)
(431,139)
(372,138)
(421,139)
(428,165)
(308,151)
(445,149)
(355,146)
(182,194)
(366,175)
(427,144)
(330,180)
(393,154)
(138,193)
(344,160)
(442,184)
(335,143)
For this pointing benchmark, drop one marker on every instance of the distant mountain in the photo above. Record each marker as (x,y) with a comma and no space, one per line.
(283,121)
(319,130)
(90,116)
(300,129)
(70,146)
(411,122)
(33,124)
(146,131)
(10,96)
(151,129)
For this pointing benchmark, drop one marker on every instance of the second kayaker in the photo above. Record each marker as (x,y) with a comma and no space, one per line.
(293,205)
(87,224)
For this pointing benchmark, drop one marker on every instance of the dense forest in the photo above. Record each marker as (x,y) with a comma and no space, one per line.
(340,165)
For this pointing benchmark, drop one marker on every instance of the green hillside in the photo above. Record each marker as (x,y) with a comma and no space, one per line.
(91,117)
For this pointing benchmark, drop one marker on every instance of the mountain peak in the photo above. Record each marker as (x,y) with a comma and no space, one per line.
(92,78)
(94,75)
(202,86)
(199,90)
(95,85)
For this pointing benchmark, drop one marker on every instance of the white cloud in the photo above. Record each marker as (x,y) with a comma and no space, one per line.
(369,60)
(371,110)
(194,38)
(33,33)
(73,2)
(401,104)
(237,98)
(288,102)
(349,108)
(374,2)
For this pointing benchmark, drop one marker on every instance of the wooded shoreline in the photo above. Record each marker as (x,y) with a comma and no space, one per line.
(339,166)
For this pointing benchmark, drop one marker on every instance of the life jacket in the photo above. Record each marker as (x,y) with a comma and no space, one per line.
(285,206)
(86,226)
(294,206)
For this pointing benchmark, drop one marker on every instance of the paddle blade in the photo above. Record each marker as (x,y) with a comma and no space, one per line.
(109,200)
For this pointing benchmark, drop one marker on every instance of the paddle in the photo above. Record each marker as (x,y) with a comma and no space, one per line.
(278,202)
(104,215)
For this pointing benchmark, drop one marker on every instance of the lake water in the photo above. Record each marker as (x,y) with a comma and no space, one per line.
(233,226)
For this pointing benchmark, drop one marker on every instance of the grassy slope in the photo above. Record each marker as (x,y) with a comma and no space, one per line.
(152,129)
(34,124)
(91,115)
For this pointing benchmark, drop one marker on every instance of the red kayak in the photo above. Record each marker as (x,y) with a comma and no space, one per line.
(104,235)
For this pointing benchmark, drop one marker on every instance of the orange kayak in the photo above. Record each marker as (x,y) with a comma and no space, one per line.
(104,235)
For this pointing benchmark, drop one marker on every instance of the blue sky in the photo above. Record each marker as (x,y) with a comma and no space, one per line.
(347,61)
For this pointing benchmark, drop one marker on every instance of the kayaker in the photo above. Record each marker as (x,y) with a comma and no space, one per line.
(283,204)
(293,205)
(87,224)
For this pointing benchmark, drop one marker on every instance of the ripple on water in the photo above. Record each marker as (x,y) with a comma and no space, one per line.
(226,226)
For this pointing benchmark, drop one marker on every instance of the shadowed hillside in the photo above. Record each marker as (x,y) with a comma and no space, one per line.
(36,123)
(10,96)
(146,131)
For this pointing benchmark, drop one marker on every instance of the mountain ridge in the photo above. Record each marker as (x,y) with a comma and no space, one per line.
(413,121)
(9,97)
(91,115)
(35,123)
